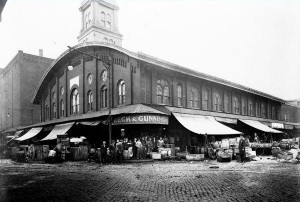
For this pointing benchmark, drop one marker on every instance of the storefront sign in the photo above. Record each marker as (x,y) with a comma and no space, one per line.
(277,125)
(141,119)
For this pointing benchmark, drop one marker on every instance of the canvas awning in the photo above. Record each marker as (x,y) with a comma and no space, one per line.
(60,129)
(277,125)
(31,133)
(16,135)
(89,123)
(260,126)
(204,125)
(226,120)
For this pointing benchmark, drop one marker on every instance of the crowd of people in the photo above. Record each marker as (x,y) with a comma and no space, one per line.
(121,149)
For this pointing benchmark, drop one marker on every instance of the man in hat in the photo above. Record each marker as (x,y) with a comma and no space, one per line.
(103,152)
(242,148)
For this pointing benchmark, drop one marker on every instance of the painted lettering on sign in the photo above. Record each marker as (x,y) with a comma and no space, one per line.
(141,119)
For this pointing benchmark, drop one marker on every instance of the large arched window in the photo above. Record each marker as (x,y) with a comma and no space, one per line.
(236,105)
(274,113)
(102,16)
(90,100)
(217,101)
(75,102)
(108,21)
(257,109)
(159,94)
(250,108)
(179,95)
(62,108)
(244,106)
(47,112)
(226,102)
(103,95)
(121,87)
(263,110)
(205,100)
(194,98)
(53,105)
(163,92)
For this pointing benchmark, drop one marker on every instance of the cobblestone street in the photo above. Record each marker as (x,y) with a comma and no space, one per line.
(266,180)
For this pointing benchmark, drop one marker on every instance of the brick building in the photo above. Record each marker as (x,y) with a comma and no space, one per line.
(17,83)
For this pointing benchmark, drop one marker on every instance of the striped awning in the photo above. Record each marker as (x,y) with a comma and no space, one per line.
(89,123)
(30,134)
(60,129)
(16,135)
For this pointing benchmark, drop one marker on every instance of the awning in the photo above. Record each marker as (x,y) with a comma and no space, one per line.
(204,125)
(135,109)
(16,135)
(288,127)
(226,120)
(31,133)
(260,126)
(89,123)
(60,129)
(277,125)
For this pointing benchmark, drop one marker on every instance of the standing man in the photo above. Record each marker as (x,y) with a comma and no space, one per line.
(103,152)
(242,148)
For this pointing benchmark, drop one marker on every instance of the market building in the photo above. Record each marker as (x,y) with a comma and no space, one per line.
(102,91)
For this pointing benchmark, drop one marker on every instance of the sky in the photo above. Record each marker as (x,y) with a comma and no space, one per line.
(255,43)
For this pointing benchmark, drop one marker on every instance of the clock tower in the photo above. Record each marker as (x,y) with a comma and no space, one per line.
(99,22)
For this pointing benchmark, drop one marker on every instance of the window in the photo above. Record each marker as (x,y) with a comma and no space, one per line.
(250,108)
(103,95)
(163,92)
(102,19)
(47,111)
(75,102)
(244,106)
(108,21)
(194,98)
(205,95)
(236,105)
(159,94)
(179,95)
(90,101)
(54,110)
(226,102)
(274,114)
(87,20)
(217,101)
(257,109)
(166,95)
(263,110)
(62,108)
(121,87)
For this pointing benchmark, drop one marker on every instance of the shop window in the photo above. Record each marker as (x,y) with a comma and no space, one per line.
(62,108)
(205,100)
(159,94)
(217,102)
(194,98)
(250,108)
(90,101)
(179,95)
(103,95)
(102,19)
(121,87)
(244,107)
(236,105)
(108,21)
(75,102)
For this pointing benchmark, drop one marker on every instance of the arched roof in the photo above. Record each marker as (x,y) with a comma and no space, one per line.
(142,57)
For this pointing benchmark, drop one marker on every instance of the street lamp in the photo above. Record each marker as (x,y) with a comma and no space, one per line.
(107,64)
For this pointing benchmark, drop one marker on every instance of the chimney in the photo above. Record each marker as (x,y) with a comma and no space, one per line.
(41,52)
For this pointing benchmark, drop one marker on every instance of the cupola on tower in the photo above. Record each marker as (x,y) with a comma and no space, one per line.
(99,22)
